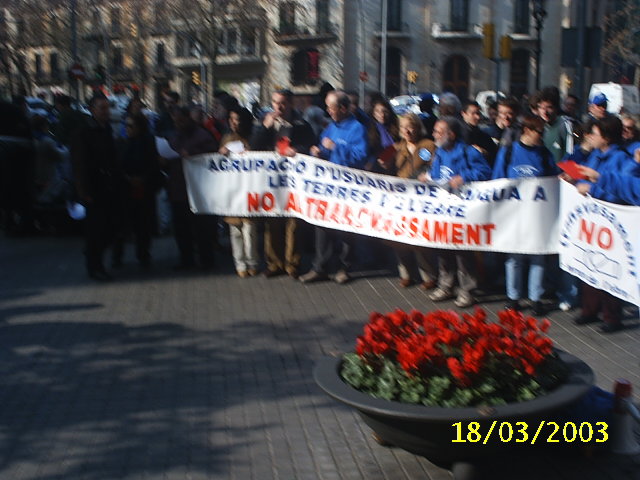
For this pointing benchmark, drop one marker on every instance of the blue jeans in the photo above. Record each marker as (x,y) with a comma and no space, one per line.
(514,270)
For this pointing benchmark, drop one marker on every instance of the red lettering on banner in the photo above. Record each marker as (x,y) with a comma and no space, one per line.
(425,231)
(604,237)
(473,234)
(253,201)
(322,209)
(441,232)
(268,201)
(586,231)
(456,234)
(606,233)
(334,215)
(293,203)
(488,228)
(347,215)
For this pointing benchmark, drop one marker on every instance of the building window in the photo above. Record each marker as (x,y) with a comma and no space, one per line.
(248,42)
(459,15)
(394,15)
(455,76)
(287,18)
(117,58)
(305,67)
(521,16)
(115,21)
(38,65)
(518,83)
(323,24)
(232,41)
(160,55)
(54,66)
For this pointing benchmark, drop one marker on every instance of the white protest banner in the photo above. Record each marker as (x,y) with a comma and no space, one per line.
(518,216)
(599,243)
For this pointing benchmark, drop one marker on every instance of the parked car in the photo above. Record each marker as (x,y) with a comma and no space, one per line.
(405,104)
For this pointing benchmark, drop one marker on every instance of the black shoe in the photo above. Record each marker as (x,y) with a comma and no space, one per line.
(610,327)
(585,319)
(183,267)
(537,308)
(512,305)
(100,276)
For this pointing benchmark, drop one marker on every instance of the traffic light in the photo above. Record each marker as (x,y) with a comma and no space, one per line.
(488,31)
(195,77)
(505,47)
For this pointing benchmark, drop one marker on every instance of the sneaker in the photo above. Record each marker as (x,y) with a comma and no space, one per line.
(512,305)
(440,295)
(464,300)
(341,277)
(537,308)
(312,276)
(564,306)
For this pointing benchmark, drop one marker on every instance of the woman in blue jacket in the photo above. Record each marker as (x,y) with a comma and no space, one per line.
(527,157)
(609,160)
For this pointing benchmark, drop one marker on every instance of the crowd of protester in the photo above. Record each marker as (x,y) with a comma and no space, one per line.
(116,173)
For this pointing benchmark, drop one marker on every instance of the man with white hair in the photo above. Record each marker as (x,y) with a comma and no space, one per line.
(343,142)
(455,164)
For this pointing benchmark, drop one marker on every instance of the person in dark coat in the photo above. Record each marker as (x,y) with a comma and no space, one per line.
(139,159)
(192,232)
(473,135)
(286,128)
(99,183)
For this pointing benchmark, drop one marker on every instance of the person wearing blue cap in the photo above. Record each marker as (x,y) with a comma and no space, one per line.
(598,106)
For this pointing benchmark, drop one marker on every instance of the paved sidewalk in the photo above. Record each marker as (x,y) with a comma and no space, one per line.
(194,376)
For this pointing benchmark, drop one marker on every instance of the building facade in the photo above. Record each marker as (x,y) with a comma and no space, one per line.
(251,47)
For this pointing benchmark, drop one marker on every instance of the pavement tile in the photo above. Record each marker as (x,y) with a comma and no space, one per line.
(191,376)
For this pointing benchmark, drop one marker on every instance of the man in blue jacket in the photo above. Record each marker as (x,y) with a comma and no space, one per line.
(455,164)
(343,142)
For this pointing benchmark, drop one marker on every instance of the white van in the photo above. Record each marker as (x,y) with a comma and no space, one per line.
(620,98)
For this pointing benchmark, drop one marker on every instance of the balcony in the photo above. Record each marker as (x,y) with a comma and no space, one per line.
(399,30)
(299,36)
(472,31)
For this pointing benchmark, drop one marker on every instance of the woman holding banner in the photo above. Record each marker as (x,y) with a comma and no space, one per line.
(242,231)
(607,158)
(414,154)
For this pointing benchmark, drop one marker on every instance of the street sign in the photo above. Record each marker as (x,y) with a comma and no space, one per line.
(77,71)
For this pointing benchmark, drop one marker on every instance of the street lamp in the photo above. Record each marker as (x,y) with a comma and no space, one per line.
(539,14)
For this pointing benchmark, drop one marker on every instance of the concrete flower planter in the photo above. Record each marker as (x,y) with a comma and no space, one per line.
(430,431)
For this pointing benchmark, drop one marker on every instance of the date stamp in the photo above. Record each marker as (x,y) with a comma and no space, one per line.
(523,432)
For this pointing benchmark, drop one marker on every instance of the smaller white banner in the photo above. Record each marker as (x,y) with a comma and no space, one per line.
(599,243)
